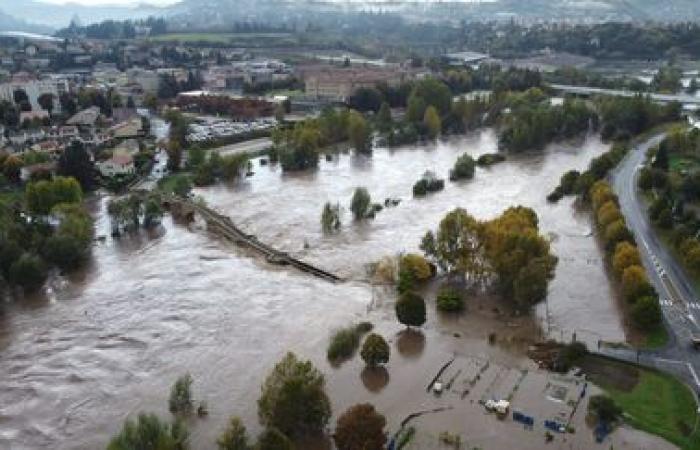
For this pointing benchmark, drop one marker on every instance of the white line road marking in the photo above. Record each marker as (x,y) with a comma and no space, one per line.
(695,375)
(671,361)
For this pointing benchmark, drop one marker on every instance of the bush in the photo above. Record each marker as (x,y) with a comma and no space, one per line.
(489,159)
(428,183)
(375,351)
(410,309)
(463,168)
(180,401)
(343,343)
(449,300)
(418,266)
(360,203)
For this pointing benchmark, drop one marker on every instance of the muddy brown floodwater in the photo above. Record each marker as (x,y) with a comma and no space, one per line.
(109,342)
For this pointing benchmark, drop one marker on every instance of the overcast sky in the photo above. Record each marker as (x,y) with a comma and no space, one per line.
(112,2)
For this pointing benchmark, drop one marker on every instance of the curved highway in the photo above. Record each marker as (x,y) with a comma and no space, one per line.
(679,301)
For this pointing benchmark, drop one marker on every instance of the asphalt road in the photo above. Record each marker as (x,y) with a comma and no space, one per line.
(679,301)
(252,146)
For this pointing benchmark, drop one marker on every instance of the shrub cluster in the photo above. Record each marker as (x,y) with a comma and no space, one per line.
(428,183)
(345,341)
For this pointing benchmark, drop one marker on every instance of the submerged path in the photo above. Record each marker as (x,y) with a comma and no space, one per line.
(225,227)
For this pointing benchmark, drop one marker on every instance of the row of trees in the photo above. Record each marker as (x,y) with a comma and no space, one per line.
(622,252)
(293,403)
(507,252)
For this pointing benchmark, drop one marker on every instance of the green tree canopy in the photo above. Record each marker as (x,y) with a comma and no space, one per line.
(76,162)
(293,398)
(375,351)
(360,203)
(148,432)
(410,309)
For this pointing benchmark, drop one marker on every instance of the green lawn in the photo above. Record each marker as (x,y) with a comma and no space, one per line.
(653,402)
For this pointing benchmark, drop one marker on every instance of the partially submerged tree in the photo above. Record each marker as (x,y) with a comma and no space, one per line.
(181,401)
(361,427)
(375,351)
(293,398)
(234,437)
(330,217)
(361,203)
(148,432)
(410,309)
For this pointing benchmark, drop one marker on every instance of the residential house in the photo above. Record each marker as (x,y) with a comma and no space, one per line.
(119,164)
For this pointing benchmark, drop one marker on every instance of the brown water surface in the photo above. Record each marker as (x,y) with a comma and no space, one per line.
(109,342)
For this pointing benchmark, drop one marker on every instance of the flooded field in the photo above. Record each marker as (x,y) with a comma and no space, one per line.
(110,342)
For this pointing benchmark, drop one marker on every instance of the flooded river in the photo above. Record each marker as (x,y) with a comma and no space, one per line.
(111,341)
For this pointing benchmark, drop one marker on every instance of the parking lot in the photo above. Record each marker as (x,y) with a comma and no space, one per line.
(550,411)
(205,129)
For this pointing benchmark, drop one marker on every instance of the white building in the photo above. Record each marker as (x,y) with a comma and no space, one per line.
(118,164)
(34,90)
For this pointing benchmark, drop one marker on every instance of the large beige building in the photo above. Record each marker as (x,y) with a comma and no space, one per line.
(338,83)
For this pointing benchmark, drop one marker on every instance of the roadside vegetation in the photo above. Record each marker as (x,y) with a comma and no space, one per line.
(641,299)
(671,182)
(651,401)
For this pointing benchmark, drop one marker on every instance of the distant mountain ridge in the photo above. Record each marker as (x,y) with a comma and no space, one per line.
(34,15)
(579,10)
(58,16)
(11,23)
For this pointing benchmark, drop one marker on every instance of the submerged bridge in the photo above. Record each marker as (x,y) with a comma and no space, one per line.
(587,91)
(224,226)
